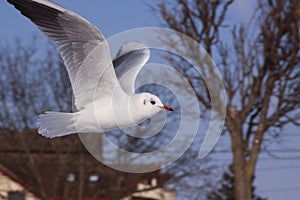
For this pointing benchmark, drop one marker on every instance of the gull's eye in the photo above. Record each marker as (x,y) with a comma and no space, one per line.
(152,102)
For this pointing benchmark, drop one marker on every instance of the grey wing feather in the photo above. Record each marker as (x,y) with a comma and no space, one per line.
(132,57)
(79,43)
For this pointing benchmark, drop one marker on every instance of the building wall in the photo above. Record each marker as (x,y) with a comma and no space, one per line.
(8,186)
(155,193)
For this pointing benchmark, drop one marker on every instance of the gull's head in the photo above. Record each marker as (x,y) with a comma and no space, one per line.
(152,103)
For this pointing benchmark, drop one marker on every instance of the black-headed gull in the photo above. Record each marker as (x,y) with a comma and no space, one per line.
(104,96)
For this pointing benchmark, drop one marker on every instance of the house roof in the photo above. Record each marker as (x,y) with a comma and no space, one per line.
(6,172)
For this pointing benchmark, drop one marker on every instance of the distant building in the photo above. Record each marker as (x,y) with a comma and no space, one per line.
(13,189)
(33,167)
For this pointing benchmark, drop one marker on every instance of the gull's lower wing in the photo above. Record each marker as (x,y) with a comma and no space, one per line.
(81,45)
(130,60)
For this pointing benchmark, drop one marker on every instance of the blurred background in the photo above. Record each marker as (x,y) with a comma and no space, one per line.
(256,47)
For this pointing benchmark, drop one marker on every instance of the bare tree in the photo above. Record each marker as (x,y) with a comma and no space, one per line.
(24,84)
(260,70)
(26,90)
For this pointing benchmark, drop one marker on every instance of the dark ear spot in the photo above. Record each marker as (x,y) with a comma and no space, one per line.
(144,102)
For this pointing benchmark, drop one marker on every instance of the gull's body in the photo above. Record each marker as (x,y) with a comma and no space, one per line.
(103,89)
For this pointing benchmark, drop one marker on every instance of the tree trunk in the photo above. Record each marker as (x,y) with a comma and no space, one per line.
(242,181)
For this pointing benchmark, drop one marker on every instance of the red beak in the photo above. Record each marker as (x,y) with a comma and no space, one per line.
(166,108)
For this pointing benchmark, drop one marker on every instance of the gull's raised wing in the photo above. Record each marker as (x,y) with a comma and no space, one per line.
(130,60)
(82,46)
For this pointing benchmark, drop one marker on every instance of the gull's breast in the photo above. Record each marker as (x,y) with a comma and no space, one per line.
(104,115)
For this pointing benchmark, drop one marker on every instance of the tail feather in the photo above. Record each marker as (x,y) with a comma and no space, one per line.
(56,124)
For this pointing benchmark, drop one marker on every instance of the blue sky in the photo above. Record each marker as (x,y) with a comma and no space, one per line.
(110,16)
(276,178)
